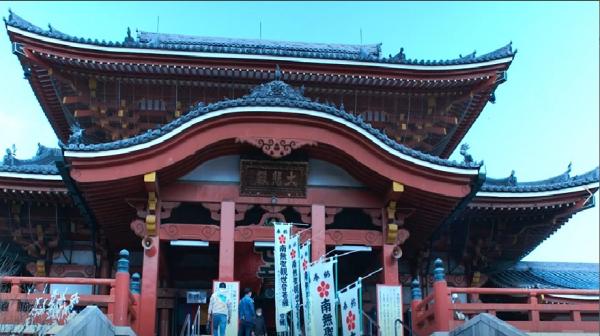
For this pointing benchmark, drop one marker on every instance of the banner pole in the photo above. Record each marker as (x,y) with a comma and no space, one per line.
(360,306)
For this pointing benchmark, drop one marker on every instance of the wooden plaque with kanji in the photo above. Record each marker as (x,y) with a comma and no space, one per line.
(273,178)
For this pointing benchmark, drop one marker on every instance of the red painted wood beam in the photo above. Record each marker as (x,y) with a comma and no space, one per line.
(227,244)
(252,233)
(205,192)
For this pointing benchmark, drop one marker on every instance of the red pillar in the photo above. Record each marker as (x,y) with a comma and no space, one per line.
(121,290)
(441,308)
(150,285)
(318,231)
(227,243)
(441,298)
(390,265)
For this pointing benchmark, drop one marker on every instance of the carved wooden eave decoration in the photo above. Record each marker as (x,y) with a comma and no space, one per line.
(274,147)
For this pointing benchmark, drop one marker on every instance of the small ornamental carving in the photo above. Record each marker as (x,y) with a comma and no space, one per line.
(276,148)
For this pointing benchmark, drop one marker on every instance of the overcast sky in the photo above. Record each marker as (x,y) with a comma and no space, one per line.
(546,114)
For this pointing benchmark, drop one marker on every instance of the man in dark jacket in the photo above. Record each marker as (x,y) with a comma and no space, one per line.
(246,312)
(260,328)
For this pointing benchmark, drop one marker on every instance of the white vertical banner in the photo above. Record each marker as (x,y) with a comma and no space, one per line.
(304,280)
(350,309)
(233,297)
(294,247)
(322,299)
(389,309)
(282,273)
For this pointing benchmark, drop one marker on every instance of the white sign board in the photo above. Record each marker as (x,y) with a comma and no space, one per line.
(389,309)
(233,289)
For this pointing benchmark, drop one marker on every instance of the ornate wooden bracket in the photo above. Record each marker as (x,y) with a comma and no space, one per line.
(139,228)
(391,226)
(151,183)
(276,148)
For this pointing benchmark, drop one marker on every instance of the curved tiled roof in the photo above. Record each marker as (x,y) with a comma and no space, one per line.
(272,94)
(41,163)
(349,52)
(549,275)
(562,181)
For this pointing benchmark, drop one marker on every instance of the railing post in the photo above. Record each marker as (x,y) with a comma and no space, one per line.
(13,305)
(417,296)
(122,290)
(441,307)
(135,292)
(534,313)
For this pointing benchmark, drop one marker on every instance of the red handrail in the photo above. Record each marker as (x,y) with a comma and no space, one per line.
(437,313)
(122,305)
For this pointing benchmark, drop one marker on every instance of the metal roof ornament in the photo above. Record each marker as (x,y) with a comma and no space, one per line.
(9,157)
(277,73)
(467,158)
(76,136)
(512,179)
(129,38)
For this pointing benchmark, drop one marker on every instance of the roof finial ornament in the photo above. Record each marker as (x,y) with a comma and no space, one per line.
(277,73)
(128,39)
(568,172)
(512,179)
(76,136)
(9,157)
(467,158)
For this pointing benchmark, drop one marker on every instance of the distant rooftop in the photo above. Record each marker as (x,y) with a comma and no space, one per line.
(564,180)
(526,274)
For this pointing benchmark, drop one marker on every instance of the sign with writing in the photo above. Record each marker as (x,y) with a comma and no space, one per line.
(322,299)
(233,295)
(389,309)
(350,308)
(294,247)
(273,178)
(196,296)
(304,280)
(283,304)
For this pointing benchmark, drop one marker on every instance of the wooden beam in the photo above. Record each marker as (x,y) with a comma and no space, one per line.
(205,192)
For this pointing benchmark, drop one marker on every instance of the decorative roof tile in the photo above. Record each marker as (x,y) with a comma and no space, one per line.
(41,163)
(352,52)
(274,93)
(562,181)
(549,275)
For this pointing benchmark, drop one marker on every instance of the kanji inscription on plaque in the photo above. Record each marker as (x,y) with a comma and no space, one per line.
(273,178)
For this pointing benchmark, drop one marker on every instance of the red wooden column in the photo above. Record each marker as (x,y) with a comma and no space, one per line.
(318,231)
(227,243)
(148,296)
(390,265)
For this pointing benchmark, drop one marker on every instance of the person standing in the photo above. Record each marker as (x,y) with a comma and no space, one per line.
(246,312)
(260,328)
(219,310)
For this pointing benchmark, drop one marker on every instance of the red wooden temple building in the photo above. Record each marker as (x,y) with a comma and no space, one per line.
(170,138)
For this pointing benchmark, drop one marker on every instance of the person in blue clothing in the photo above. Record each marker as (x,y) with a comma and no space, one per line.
(246,312)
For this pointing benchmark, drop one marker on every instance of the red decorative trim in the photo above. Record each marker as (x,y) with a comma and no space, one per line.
(215,210)
(190,231)
(330,214)
(139,228)
(274,147)
(358,237)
